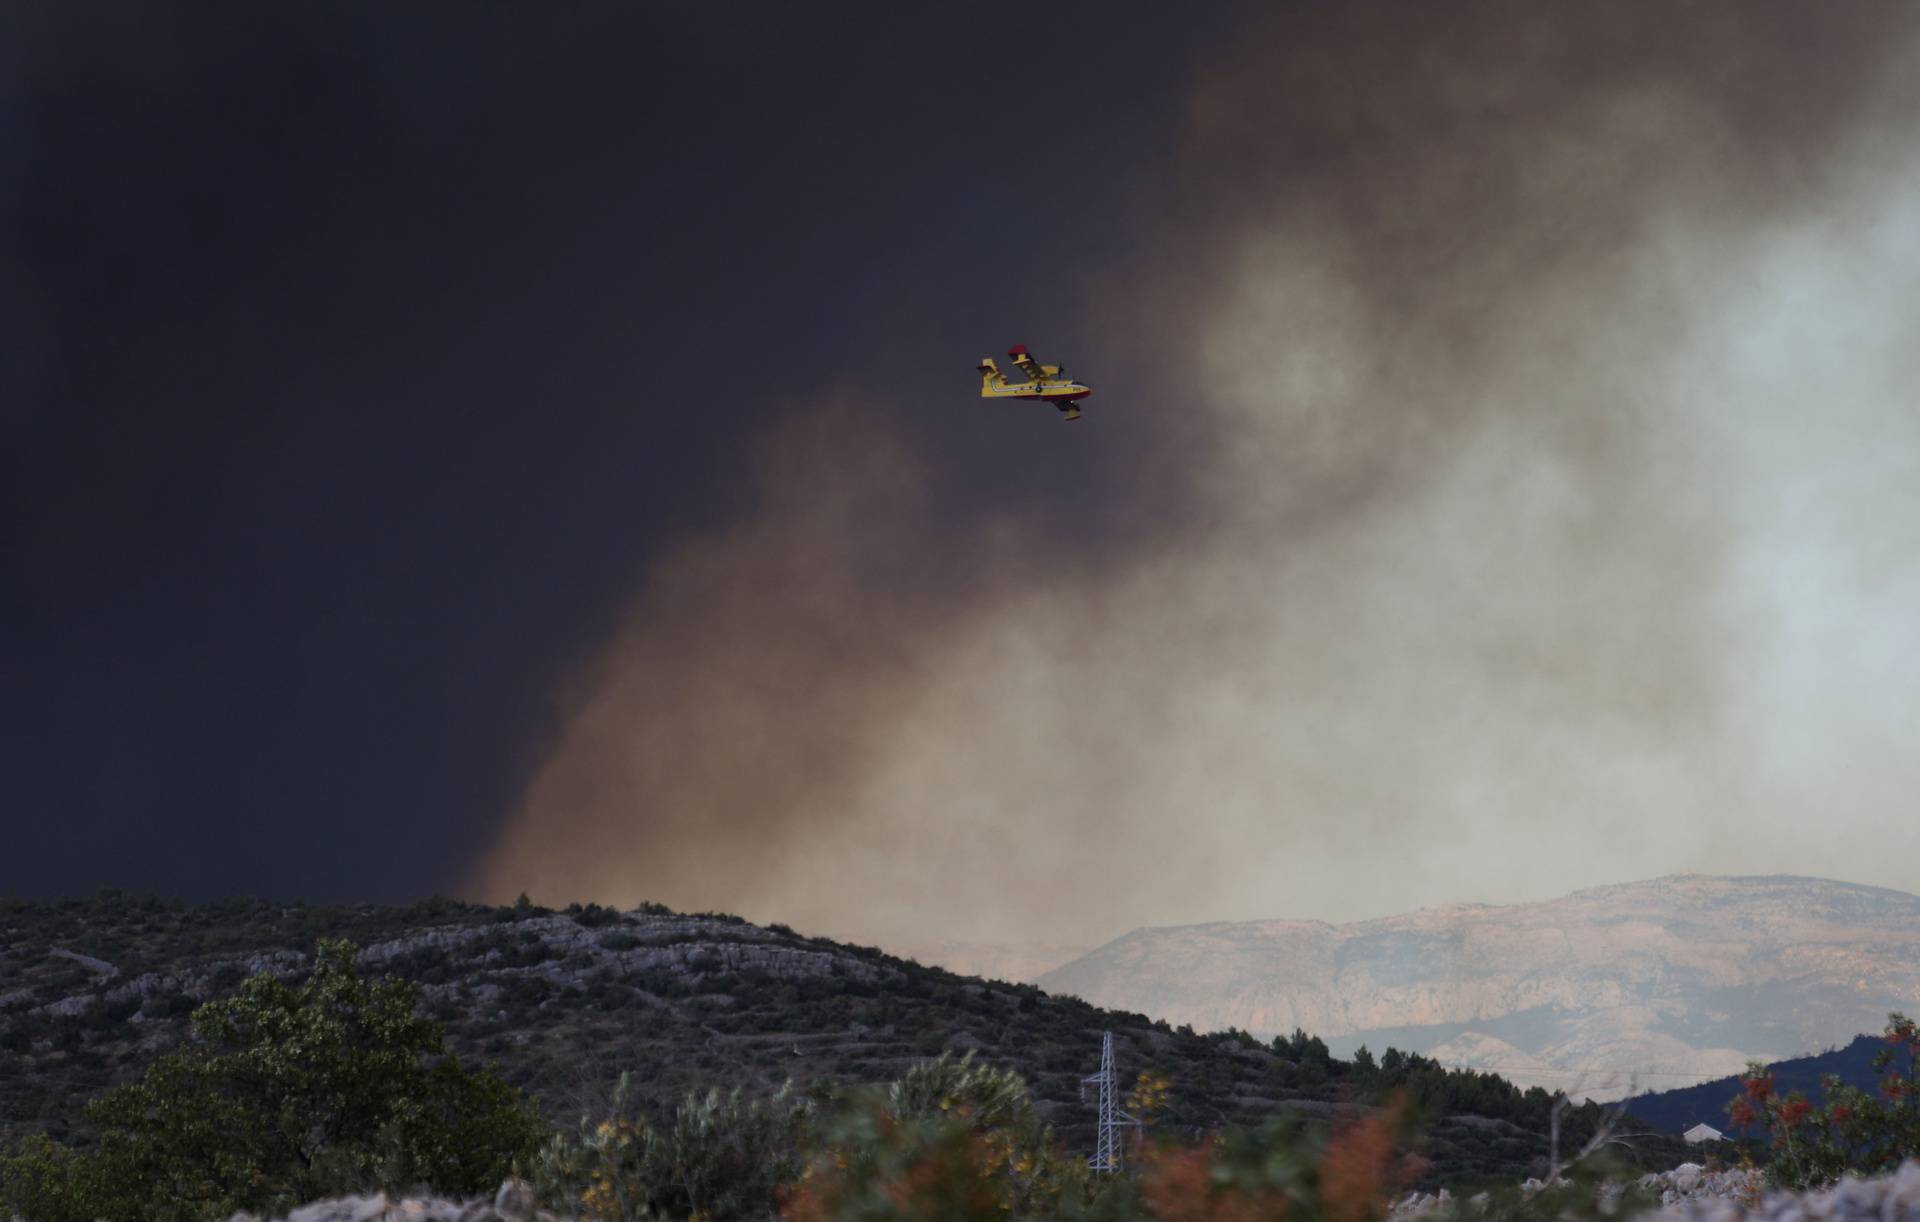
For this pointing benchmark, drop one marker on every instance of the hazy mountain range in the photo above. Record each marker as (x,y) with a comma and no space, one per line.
(1663,983)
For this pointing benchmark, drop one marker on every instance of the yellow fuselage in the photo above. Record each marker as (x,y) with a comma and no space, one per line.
(1048,383)
(1054,390)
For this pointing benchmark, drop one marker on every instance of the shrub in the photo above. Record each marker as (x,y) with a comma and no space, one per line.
(989,1098)
(949,1139)
(960,1160)
(1855,1131)
(719,1156)
(289,1094)
(872,1165)
(593,916)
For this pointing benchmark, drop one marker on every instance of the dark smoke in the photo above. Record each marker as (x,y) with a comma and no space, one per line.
(1521,392)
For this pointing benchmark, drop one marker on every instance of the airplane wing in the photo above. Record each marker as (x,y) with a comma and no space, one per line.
(1032,368)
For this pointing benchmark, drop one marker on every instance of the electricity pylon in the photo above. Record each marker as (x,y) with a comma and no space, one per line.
(1108,1153)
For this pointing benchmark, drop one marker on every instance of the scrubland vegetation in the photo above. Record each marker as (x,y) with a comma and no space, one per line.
(285,1094)
(559,1004)
(334,1077)
(337,1085)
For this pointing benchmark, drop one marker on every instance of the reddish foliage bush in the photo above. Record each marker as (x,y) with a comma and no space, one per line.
(1363,1166)
(1178,1186)
(1854,1132)
(1741,1112)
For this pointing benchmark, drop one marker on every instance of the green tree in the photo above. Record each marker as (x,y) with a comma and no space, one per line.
(288,1093)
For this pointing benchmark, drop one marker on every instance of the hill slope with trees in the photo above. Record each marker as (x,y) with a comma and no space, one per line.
(1679,1110)
(561,1003)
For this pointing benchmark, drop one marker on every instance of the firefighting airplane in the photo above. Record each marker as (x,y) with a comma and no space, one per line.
(1048,383)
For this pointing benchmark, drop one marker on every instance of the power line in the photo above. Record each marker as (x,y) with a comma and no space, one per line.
(1107,1153)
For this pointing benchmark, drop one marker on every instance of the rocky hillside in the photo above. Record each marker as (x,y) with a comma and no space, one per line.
(563,1002)
(1662,983)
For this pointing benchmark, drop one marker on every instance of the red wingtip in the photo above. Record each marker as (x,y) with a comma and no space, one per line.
(1017,350)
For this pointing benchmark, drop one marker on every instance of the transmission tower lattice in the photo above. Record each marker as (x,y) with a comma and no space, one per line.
(1108,1152)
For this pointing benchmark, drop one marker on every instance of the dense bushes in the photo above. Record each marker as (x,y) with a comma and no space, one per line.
(333,1087)
(718,1156)
(289,1093)
(955,1139)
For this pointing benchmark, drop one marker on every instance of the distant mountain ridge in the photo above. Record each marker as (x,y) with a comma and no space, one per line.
(1668,981)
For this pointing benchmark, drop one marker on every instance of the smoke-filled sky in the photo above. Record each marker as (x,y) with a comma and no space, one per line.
(521,450)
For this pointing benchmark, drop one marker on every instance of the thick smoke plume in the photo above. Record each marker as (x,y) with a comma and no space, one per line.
(1533,423)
